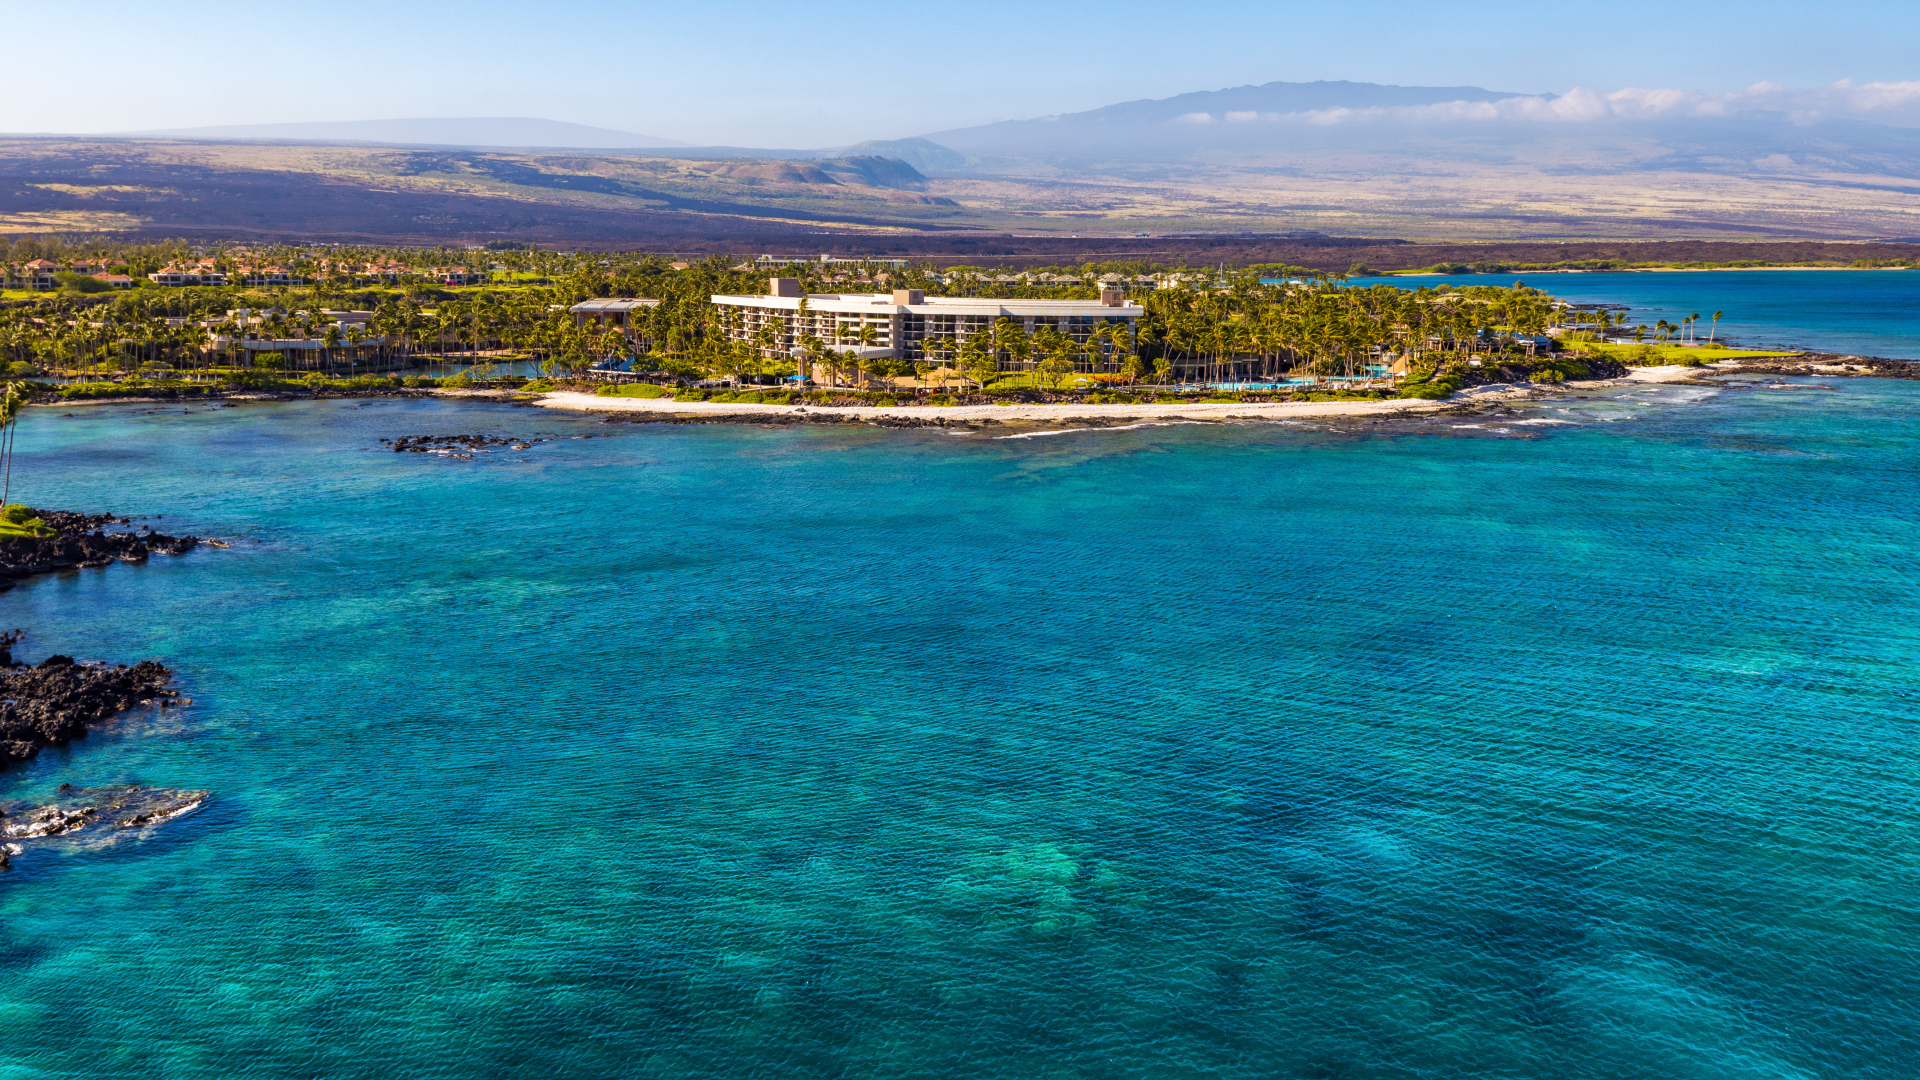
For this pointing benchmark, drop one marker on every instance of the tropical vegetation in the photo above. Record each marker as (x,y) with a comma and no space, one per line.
(1259,325)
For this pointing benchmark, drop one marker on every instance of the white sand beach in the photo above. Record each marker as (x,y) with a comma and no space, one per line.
(1026,414)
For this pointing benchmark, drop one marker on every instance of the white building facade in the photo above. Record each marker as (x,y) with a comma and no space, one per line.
(899,325)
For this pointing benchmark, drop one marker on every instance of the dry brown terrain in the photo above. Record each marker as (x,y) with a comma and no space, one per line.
(358,193)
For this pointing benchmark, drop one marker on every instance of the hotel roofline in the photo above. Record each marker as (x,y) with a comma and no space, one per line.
(914,302)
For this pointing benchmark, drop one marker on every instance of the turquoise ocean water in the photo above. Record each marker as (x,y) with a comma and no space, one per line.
(1871,312)
(1572,744)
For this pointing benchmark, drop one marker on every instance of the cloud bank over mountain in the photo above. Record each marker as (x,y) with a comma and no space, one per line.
(1892,103)
(1352,129)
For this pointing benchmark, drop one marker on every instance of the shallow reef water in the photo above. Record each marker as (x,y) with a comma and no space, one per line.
(1325,750)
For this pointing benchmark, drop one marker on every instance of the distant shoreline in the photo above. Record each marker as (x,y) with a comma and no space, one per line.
(1645,270)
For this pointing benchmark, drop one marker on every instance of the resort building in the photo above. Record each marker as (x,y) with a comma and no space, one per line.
(453,275)
(204,272)
(617,314)
(37,274)
(268,275)
(335,335)
(899,325)
(772,261)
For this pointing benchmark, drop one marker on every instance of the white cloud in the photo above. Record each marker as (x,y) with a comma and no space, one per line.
(1194,118)
(1883,102)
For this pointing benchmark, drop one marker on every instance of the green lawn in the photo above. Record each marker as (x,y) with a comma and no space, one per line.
(1632,355)
(1027,381)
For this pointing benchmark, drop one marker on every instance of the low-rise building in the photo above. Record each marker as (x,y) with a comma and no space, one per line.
(453,275)
(38,274)
(268,275)
(251,331)
(771,261)
(899,325)
(614,311)
(204,273)
(617,313)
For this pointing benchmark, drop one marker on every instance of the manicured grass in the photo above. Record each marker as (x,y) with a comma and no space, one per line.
(17,520)
(1079,380)
(1661,355)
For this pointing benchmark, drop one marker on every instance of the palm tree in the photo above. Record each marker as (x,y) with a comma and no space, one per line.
(10,403)
(867,336)
(1714,327)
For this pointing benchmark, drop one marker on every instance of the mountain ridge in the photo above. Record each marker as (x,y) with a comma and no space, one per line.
(529,132)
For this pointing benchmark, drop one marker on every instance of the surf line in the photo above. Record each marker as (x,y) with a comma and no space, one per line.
(1120,427)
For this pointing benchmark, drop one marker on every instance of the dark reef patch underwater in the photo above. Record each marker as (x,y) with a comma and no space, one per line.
(1578,746)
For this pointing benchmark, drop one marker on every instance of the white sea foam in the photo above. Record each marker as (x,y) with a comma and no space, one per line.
(1122,427)
(1546,420)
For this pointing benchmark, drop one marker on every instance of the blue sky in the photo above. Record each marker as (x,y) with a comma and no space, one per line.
(812,74)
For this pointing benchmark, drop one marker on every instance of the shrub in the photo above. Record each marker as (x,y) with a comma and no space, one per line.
(887,400)
(941,399)
(537,386)
(94,391)
(1430,390)
(80,283)
(17,519)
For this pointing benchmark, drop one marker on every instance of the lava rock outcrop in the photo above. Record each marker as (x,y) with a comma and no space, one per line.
(84,541)
(90,816)
(58,699)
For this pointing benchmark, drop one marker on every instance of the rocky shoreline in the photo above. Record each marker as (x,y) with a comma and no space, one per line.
(84,542)
(1824,366)
(92,816)
(59,699)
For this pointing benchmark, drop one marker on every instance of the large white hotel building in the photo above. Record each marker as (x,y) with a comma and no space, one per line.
(902,322)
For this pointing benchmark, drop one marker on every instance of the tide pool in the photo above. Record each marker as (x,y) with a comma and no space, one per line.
(1572,743)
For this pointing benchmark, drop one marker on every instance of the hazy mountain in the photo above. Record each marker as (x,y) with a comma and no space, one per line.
(1155,129)
(513,131)
(1350,130)
(1283,159)
(922,154)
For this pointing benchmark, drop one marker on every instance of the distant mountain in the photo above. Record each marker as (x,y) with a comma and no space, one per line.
(922,154)
(1153,129)
(1346,131)
(506,131)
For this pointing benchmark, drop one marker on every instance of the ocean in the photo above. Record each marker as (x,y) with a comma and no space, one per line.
(1866,312)
(1574,742)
